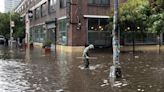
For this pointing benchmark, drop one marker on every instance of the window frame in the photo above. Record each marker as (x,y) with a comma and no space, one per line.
(99,2)
(43,9)
(37,12)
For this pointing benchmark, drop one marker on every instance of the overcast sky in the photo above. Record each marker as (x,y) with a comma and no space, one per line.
(1,5)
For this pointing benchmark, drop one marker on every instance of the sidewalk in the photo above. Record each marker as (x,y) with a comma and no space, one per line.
(143,48)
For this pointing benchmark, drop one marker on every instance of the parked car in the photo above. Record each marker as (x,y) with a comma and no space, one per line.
(2,39)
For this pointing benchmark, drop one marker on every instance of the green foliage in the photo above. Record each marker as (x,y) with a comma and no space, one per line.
(133,14)
(156,23)
(156,19)
(18,30)
(140,13)
(4,24)
(47,43)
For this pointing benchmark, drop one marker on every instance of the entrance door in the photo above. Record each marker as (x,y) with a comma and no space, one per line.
(51,34)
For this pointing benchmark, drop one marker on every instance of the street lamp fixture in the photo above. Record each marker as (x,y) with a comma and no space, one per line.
(128,28)
(138,28)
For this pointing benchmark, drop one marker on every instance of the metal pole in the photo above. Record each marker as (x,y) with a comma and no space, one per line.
(115,70)
(133,42)
(11,31)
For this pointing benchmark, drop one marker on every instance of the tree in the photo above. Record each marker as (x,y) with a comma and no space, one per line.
(5,25)
(133,14)
(19,29)
(156,20)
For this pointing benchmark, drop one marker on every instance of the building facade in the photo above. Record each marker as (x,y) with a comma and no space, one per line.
(10,5)
(68,22)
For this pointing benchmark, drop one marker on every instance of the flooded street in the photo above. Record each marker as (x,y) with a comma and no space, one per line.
(34,71)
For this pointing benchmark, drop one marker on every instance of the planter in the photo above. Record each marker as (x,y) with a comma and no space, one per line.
(31,45)
(47,50)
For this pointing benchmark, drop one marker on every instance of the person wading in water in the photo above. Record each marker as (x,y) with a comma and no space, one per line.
(86,55)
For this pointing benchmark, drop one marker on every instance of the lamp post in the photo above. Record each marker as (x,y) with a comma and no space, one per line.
(133,41)
(115,69)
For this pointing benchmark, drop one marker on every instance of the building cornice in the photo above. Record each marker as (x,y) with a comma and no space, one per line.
(38,4)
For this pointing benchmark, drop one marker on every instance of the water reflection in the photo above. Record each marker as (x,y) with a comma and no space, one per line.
(35,71)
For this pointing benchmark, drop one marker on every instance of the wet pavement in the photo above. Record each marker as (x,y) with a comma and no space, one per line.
(34,71)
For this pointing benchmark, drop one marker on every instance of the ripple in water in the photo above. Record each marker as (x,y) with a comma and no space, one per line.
(12,76)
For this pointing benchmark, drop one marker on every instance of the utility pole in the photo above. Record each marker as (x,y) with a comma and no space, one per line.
(11,31)
(115,69)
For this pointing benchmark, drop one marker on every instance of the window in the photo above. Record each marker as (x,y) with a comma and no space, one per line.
(90,2)
(63,31)
(28,3)
(51,6)
(98,24)
(37,34)
(104,2)
(62,3)
(37,13)
(98,2)
(43,9)
(62,25)
(92,24)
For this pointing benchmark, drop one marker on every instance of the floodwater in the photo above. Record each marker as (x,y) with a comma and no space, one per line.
(34,71)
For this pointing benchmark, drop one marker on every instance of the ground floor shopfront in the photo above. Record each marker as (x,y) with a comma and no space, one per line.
(61,32)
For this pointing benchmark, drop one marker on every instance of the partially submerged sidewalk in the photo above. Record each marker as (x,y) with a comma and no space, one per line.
(142,48)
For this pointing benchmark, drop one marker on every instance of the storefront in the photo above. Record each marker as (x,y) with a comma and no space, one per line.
(99,32)
(37,34)
(51,31)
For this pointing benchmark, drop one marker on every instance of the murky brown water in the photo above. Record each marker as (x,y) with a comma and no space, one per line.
(35,71)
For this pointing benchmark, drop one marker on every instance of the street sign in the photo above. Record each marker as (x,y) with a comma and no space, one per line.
(12,24)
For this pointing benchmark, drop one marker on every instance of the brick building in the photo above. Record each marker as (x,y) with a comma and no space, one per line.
(68,22)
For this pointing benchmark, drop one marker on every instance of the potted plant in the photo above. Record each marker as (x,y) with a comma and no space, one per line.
(31,45)
(47,45)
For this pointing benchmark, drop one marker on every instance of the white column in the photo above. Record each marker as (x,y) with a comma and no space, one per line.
(27,35)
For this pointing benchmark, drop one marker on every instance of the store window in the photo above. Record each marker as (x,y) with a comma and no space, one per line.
(63,31)
(37,34)
(98,24)
(99,2)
